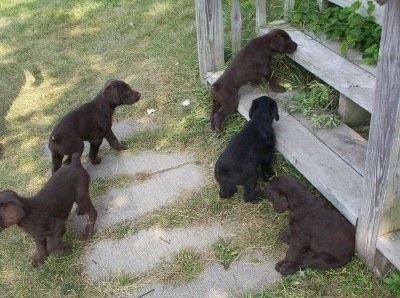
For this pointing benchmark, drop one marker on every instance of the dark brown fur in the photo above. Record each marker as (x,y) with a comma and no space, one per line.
(90,122)
(319,237)
(43,216)
(250,64)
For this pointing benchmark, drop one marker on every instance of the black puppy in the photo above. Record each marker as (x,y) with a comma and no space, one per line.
(90,122)
(43,216)
(319,237)
(251,149)
(250,64)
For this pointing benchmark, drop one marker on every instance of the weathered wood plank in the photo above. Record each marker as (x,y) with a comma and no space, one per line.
(389,245)
(210,35)
(381,205)
(378,12)
(261,13)
(346,77)
(236,27)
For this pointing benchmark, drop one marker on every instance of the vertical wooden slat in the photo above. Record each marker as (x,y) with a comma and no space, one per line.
(236,27)
(322,4)
(379,212)
(261,13)
(288,6)
(210,35)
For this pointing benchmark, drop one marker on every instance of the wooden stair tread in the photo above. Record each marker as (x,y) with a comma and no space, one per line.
(388,245)
(345,76)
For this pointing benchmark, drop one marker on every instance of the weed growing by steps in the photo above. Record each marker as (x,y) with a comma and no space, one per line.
(319,102)
(343,24)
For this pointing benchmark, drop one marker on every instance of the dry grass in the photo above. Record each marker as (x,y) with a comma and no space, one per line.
(56,55)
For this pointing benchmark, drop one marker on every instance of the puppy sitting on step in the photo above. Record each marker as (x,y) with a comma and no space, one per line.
(319,237)
(250,150)
(90,122)
(251,64)
(43,216)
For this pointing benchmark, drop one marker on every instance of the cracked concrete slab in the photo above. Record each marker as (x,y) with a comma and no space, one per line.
(140,198)
(247,274)
(142,251)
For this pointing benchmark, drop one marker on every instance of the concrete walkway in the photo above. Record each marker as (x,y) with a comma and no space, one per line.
(168,176)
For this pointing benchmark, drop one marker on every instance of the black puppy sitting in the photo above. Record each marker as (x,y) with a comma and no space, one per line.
(250,150)
(90,122)
(319,237)
(43,216)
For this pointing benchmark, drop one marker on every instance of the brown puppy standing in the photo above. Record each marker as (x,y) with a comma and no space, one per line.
(319,237)
(90,122)
(250,64)
(43,216)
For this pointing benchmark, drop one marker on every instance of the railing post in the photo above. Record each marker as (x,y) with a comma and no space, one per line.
(380,207)
(236,27)
(210,36)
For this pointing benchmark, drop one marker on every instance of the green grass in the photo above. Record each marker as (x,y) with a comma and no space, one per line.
(56,55)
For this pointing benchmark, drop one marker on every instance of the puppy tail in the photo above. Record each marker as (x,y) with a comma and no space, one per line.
(76,158)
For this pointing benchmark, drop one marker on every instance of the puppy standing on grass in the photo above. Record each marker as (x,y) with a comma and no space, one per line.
(250,64)
(43,216)
(251,149)
(90,122)
(319,237)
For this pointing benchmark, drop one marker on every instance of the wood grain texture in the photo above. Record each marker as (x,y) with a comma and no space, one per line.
(261,13)
(380,209)
(346,77)
(236,27)
(210,35)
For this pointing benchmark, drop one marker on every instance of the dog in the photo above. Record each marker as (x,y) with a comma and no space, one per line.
(248,152)
(90,122)
(43,216)
(250,64)
(319,237)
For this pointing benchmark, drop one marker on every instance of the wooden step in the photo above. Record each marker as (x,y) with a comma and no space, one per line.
(355,82)
(389,246)
(318,154)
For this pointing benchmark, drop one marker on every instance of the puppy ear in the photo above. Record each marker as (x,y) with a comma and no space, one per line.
(274,111)
(253,107)
(110,92)
(11,211)
(277,43)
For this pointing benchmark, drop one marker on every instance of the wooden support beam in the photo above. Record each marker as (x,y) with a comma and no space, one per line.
(261,13)
(380,208)
(210,36)
(288,6)
(236,27)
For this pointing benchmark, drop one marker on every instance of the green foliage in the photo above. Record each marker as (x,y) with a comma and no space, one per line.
(224,251)
(393,281)
(318,101)
(342,23)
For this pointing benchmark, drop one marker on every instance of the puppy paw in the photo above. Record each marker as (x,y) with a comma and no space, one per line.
(95,160)
(286,267)
(62,249)
(38,260)
(120,146)
(278,89)
(85,237)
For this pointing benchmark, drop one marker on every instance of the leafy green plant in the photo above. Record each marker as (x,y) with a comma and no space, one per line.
(225,252)
(393,281)
(342,23)
(318,101)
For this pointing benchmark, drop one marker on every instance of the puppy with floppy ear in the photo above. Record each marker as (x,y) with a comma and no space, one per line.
(250,64)
(90,122)
(319,237)
(248,152)
(43,216)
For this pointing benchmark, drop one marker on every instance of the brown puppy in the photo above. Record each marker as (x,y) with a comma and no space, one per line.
(90,122)
(250,64)
(43,216)
(319,237)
